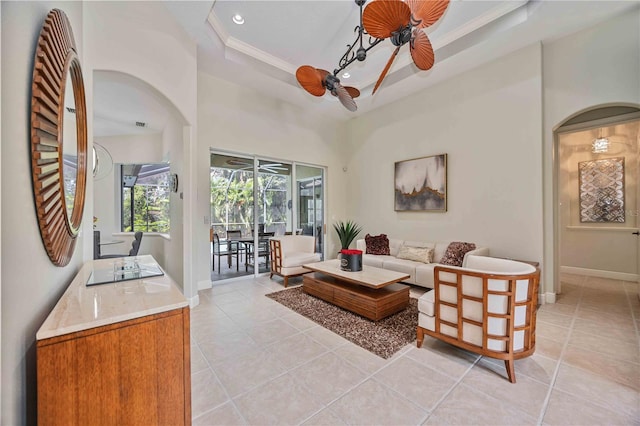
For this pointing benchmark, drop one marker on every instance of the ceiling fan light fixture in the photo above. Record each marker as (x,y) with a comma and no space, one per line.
(346,75)
(238,19)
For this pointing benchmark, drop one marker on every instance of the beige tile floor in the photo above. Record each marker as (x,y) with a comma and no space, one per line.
(257,362)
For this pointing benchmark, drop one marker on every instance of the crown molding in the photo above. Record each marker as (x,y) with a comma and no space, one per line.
(478,22)
(475,24)
(245,48)
(402,62)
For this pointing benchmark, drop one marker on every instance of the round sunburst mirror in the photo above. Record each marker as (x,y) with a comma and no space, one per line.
(58,138)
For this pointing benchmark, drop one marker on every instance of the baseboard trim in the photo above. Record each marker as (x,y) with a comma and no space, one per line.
(550,297)
(544,298)
(204,285)
(600,273)
(194,301)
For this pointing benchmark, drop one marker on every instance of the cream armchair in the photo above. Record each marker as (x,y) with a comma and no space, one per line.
(487,307)
(289,253)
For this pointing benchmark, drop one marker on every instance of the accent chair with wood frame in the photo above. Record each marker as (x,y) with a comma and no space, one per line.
(289,253)
(488,307)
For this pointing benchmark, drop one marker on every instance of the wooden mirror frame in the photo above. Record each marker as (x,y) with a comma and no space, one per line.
(56,58)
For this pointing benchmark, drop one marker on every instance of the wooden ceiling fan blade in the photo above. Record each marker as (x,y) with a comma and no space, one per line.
(386,69)
(353,92)
(310,80)
(421,50)
(345,98)
(427,12)
(382,17)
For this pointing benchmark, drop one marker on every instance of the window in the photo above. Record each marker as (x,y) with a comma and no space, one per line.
(145,197)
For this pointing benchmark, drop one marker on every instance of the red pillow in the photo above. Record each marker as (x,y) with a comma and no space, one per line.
(455,253)
(377,244)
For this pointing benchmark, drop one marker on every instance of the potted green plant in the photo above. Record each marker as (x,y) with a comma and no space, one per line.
(347,232)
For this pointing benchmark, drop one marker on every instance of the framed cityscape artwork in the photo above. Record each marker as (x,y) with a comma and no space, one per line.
(421,184)
(602,190)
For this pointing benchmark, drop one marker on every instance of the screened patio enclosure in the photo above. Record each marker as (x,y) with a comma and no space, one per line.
(245,211)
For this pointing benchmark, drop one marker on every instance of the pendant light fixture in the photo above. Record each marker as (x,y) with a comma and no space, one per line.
(600,145)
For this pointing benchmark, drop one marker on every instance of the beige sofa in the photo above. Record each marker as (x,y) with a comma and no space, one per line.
(420,273)
(289,253)
(488,307)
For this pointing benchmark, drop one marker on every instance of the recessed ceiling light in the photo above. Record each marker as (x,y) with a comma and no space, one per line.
(238,19)
(346,75)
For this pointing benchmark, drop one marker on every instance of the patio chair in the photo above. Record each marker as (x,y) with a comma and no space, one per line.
(263,249)
(135,246)
(234,246)
(219,249)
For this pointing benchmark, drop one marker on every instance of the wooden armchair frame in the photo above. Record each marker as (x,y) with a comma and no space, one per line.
(529,326)
(276,262)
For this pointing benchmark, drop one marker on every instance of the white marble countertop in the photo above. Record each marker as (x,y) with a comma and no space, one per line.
(82,307)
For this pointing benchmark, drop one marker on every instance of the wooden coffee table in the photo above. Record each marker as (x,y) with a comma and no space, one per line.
(373,293)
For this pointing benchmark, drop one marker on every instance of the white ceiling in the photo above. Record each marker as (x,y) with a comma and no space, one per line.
(287,34)
(121,100)
(280,36)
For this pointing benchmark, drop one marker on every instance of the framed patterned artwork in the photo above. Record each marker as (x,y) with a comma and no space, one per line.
(602,190)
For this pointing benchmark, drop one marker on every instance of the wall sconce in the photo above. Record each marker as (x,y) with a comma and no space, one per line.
(173,182)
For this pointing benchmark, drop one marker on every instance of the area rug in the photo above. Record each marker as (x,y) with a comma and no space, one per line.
(383,338)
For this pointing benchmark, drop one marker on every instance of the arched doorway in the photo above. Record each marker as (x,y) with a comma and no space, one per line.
(596,194)
(142,132)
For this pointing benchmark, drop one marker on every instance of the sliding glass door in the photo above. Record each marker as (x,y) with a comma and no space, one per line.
(253,199)
(232,215)
(310,203)
(274,195)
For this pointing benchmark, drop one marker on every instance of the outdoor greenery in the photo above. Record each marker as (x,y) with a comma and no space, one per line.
(232,200)
(150,205)
(347,232)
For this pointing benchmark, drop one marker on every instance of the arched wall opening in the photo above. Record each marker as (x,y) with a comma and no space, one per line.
(135,123)
(588,225)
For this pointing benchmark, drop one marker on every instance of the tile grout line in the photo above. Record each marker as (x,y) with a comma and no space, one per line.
(454,386)
(359,383)
(286,371)
(229,398)
(224,389)
(633,314)
(552,382)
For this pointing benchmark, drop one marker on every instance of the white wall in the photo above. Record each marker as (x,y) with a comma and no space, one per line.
(143,40)
(238,119)
(488,123)
(31,284)
(0,209)
(125,149)
(597,66)
(172,151)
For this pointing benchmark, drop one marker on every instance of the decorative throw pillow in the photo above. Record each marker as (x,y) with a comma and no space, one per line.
(417,254)
(455,253)
(377,244)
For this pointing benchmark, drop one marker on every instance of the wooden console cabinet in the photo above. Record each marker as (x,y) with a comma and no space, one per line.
(99,365)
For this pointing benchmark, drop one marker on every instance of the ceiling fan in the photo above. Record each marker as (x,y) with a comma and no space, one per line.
(398,20)
(402,22)
(317,82)
(275,168)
